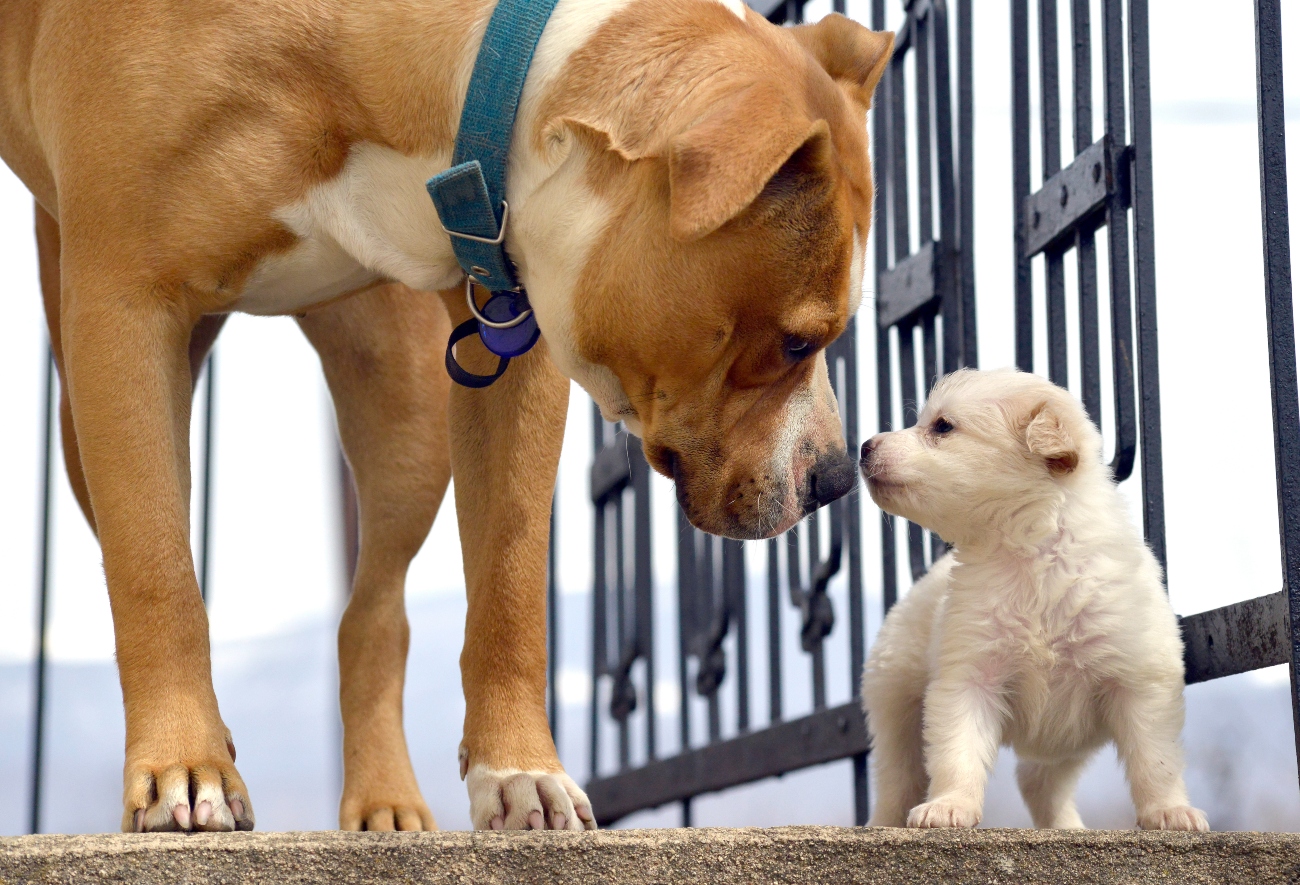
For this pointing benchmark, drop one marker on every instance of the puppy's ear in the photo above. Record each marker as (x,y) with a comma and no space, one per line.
(720,165)
(854,56)
(1049,439)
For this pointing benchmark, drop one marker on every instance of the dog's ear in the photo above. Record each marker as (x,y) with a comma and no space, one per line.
(1048,438)
(853,55)
(720,165)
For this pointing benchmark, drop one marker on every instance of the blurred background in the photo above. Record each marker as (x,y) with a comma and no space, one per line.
(277,571)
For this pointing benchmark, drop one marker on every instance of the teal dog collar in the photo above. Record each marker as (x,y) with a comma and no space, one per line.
(470,196)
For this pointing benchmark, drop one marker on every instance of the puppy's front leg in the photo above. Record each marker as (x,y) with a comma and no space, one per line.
(963,728)
(1146,721)
(505,448)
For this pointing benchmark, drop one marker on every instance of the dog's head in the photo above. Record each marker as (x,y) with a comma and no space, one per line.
(987,449)
(724,196)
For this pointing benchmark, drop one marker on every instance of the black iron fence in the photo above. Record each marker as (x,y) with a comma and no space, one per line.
(1101,189)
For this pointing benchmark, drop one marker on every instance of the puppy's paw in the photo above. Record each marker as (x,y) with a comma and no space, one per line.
(509,799)
(198,790)
(1179,817)
(943,813)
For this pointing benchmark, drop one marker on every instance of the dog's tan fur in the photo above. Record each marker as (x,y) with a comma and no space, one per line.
(163,143)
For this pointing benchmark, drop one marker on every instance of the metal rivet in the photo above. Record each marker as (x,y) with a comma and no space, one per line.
(1096,172)
(480,272)
(1038,217)
(1065,195)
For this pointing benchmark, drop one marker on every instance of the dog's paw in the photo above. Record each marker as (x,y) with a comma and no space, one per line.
(509,799)
(1179,817)
(203,792)
(408,814)
(943,813)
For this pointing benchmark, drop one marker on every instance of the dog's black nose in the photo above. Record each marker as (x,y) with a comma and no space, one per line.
(831,477)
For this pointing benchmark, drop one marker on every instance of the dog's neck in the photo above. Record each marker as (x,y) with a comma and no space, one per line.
(1036,525)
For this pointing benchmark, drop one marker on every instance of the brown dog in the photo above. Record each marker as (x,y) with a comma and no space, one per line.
(690,196)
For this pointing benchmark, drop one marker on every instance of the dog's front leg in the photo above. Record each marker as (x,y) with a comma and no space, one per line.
(125,347)
(963,728)
(505,447)
(1147,720)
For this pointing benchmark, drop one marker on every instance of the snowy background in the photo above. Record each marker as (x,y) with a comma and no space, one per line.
(277,571)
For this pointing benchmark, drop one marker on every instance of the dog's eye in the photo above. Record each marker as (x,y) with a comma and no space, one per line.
(797,348)
(942,426)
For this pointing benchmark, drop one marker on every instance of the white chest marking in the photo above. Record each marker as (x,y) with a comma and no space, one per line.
(373,221)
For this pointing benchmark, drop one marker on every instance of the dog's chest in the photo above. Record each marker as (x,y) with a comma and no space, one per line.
(373,221)
(1053,649)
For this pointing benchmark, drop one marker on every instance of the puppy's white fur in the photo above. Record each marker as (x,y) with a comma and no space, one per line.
(1047,628)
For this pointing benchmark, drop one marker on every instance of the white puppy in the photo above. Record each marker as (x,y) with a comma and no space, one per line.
(1047,628)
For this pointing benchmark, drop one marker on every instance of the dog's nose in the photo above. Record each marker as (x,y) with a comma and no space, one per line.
(831,477)
(867,448)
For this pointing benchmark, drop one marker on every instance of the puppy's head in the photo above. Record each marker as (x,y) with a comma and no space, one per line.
(722,166)
(987,449)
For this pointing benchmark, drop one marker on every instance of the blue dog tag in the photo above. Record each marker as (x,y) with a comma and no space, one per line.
(515,341)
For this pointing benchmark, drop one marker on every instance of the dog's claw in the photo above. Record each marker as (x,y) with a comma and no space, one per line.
(139,820)
(181,814)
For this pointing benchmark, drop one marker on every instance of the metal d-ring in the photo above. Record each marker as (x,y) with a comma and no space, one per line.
(478,315)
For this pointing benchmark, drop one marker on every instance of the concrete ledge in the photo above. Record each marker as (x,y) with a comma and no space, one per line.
(815,855)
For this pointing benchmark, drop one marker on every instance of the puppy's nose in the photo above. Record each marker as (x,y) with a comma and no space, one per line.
(831,477)
(868,449)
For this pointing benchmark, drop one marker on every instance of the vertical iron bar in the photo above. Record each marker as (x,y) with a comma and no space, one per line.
(774,631)
(924,148)
(622,636)
(1281,321)
(966,186)
(1024,290)
(42,594)
(552,627)
(911,401)
(882,138)
(819,649)
(1058,365)
(1121,316)
(708,611)
(205,537)
(598,599)
(643,558)
(1086,251)
(1144,278)
(901,226)
(686,619)
(733,578)
(949,277)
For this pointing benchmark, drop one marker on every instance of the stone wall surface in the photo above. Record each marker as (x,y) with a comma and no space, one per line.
(814,855)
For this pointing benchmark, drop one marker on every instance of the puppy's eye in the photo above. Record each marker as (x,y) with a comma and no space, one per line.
(797,348)
(942,426)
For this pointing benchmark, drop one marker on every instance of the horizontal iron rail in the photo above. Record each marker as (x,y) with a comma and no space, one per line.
(1075,197)
(824,736)
(908,286)
(1235,639)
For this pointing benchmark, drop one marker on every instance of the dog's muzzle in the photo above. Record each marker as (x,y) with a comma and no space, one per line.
(833,474)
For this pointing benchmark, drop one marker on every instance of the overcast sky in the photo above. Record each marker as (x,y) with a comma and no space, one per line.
(276,528)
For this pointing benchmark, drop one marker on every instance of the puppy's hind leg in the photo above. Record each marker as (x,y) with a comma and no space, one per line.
(1048,790)
(382,351)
